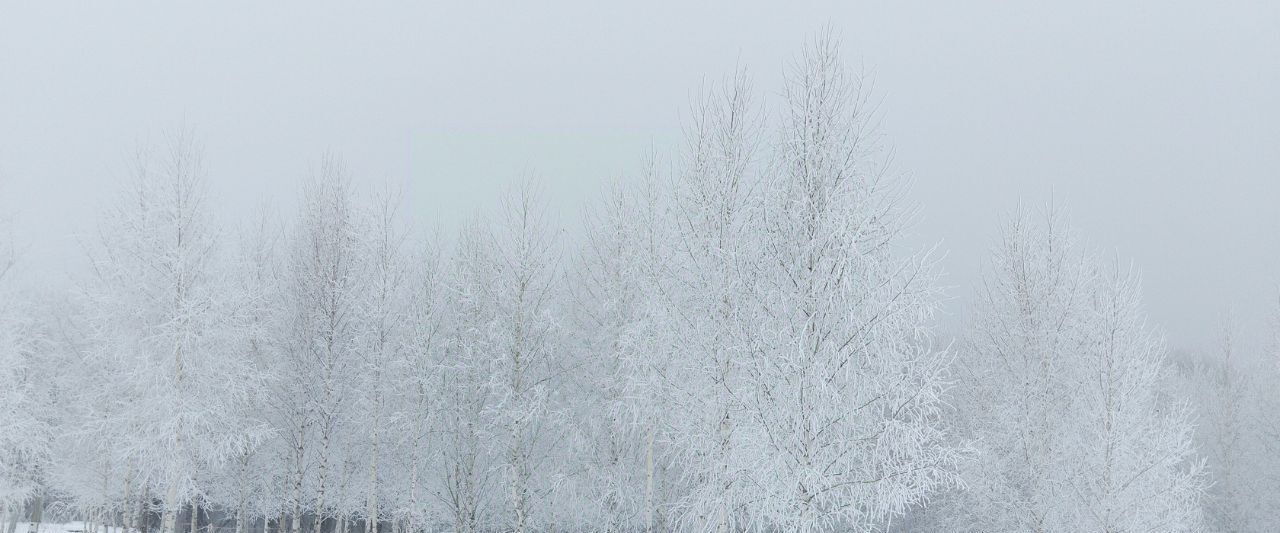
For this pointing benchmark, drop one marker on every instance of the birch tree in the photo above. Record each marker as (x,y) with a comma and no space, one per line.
(1226,441)
(713,237)
(157,286)
(25,420)
(617,319)
(386,321)
(524,344)
(421,402)
(257,290)
(1065,377)
(1236,430)
(845,382)
(465,479)
(325,280)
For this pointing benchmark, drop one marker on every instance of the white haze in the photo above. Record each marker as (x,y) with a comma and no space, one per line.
(1155,125)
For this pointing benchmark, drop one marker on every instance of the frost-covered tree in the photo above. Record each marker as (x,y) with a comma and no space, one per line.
(243,484)
(159,315)
(466,467)
(25,408)
(96,465)
(845,384)
(1264,422)
(325,283)
(1060,386)
(1226,437)
(419,400)
(522,338)
(708,318)
(616,318)
(383,342)
(1236,430)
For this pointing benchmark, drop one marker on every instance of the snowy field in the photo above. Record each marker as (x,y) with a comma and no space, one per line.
(66,527)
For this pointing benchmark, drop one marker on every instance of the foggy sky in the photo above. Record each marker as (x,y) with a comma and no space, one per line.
(1157,125)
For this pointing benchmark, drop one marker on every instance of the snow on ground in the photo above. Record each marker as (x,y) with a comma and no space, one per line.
(67,527)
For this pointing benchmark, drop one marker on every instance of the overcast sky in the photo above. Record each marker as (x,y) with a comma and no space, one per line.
(1157,124)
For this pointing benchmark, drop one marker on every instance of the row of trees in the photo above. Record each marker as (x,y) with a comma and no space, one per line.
(739,343)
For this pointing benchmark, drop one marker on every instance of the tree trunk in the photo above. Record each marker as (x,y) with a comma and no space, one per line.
(127,514)
(169,524)
(295,526)
(371,521)
(143,520)
(318,524)
(296,522)
(518,490)
(324,473)
(240,516)
(413,491)
(195,518)
(37,514)
(725,435)
(648,483)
